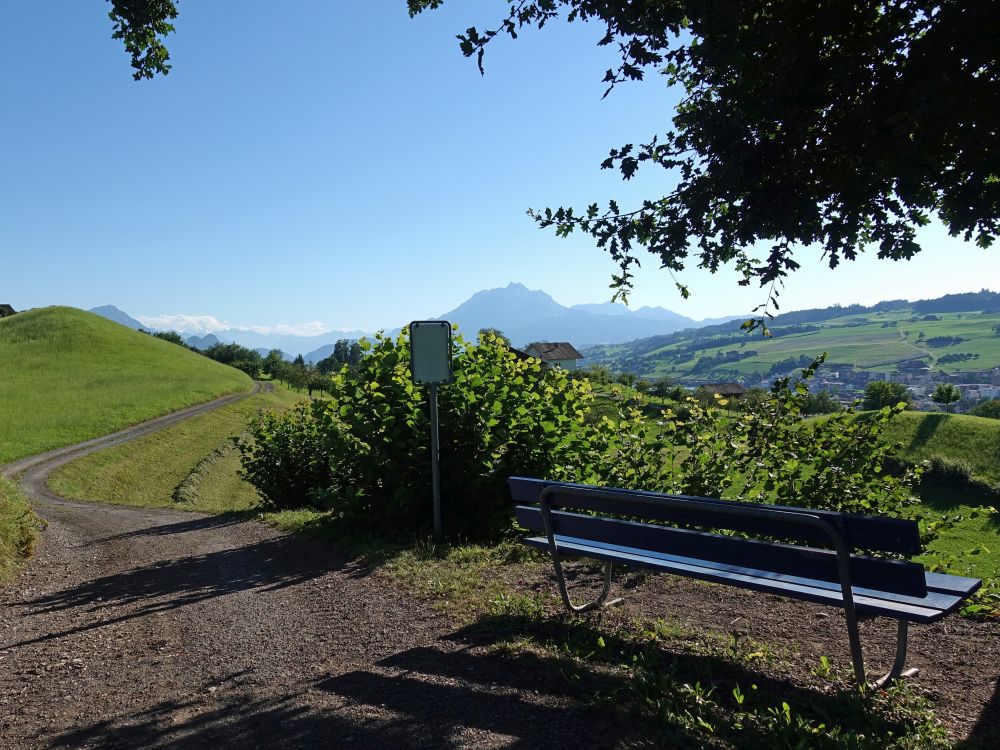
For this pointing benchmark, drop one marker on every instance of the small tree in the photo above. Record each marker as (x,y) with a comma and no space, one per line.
(661,387)
(274,363)
(820,402)
(880,393)
(172,336)
(946,394)
(627,378)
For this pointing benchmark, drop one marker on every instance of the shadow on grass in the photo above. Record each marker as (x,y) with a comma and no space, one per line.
(943,496)
(925,431)
(662,688)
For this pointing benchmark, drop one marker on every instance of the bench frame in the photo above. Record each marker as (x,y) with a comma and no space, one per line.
(826,523)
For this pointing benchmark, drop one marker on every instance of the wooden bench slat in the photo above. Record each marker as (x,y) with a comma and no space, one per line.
(803,562)
(861,532)
(946,583)
(819,592)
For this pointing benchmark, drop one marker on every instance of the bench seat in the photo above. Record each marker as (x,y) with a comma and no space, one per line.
(945,593)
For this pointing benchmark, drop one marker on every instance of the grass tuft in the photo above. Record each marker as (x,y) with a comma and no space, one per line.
(18,529)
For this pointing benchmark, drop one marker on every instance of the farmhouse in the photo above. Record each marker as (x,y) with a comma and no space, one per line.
(726,390)
(560,353)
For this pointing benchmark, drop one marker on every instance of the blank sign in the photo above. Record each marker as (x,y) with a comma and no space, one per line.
(430,351)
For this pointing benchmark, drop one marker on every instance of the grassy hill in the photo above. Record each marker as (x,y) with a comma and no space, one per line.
(972,442)
(871,340)
(69,375)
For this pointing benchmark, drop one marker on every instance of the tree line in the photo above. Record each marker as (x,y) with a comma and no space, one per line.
(296,373)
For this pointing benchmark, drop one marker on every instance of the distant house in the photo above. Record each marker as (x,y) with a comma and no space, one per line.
(726,390)
(560,353)
(6,310)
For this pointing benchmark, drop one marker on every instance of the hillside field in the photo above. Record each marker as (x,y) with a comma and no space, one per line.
(874,340)
(69,376)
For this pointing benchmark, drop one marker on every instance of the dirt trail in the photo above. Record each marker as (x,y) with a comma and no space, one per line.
(135,627)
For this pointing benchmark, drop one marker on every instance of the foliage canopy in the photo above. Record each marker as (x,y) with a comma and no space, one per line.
(829,124)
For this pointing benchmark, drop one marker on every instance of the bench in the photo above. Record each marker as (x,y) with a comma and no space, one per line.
(816,561)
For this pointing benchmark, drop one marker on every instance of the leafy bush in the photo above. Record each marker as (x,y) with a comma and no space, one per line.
(990,409)
(18,528)
(762,454)
(366,451)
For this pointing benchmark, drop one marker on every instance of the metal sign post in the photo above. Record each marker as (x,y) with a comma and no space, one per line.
(430,363)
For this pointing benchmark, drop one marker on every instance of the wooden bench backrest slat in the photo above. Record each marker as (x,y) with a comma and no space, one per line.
(860,532)
(866,572)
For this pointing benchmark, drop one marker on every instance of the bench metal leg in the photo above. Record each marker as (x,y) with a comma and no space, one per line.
(898,669)
(898,665)
(579,608)
(857,657)
(557,563)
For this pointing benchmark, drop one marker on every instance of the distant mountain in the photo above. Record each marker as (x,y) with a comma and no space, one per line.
(317,354)
(290,346)
(527,315)
(202,342)
(602,308)
(506,308)
(113,313)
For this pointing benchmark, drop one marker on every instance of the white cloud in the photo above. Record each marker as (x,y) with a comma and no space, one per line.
(199,324)
(299,329)
(203,324)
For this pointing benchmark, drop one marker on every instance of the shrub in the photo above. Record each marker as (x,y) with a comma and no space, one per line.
(763,454)
(990,409)
(880,393)
(366,451)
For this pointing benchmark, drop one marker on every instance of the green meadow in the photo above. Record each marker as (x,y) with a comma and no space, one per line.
(874,341)
(69,376)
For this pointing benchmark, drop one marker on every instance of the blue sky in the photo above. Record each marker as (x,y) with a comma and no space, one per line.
(324,165)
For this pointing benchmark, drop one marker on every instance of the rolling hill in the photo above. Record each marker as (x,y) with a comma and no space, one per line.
(877,339)
(69,375)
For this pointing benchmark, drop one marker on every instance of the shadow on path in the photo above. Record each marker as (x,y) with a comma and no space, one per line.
(986,734)
(168,584)
(483,695)
(220,521)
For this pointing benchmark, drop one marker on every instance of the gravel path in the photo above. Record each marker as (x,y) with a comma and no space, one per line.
(154,628)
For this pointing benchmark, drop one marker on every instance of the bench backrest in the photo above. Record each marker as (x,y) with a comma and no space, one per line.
(811,561)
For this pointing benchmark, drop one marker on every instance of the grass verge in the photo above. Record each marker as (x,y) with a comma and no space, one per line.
(18,529)
(155,470)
